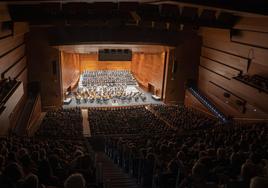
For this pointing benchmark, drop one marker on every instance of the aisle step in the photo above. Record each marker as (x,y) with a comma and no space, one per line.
(114,176)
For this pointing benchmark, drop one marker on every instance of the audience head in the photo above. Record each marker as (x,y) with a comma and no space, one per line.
(199,171)
(31,181)
(13,172)
(259,182)
(75,181)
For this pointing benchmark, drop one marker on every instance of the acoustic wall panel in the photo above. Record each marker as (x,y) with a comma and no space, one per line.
(219,68)
(237,62)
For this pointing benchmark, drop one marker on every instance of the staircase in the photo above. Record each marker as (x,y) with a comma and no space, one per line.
(111,175)
(211,107)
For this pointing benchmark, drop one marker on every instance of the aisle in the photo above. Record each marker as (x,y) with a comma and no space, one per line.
(86,128)
(112,176)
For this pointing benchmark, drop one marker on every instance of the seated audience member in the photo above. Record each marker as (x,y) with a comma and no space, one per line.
(31,181)
(252,167)
(43,162)
(12,176)
(75,181)
(259,182)
(2,162)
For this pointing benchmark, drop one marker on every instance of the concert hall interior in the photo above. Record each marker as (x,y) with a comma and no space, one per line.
(134,94)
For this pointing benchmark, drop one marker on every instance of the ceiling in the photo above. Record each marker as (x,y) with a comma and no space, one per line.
(246,6)
(93,48)
(90,20)
(145,14)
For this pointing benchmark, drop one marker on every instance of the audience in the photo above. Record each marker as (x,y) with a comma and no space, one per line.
(132,120)
(62,123)
(259,182)
(211,155)
(57,151)
(30,162)
(75,181)
(183,118)
(195,151)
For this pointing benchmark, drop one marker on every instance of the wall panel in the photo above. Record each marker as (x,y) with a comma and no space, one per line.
(182,66)
(70,70)
(4,31)
(251,38)
(90,62)
(232,100)
(219,68)
(251,112)
(204,87)
(257,56)
(4,13)
(14,71)
(253,24)
(11,58)
(9,43)
(20,28)
(44,68)
(225,58)
(149,69)
(215,33)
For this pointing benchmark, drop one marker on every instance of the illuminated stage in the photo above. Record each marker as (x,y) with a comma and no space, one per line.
(142,68)
(103,88)
(110,103)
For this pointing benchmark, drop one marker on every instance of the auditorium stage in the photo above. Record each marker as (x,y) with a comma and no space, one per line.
(110,103)
(108,88)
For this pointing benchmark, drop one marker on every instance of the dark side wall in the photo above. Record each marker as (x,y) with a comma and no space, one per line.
(182,66)
(44,68)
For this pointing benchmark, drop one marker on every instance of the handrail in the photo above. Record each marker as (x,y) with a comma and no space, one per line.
(208,104)
(10,92)
(28,127)
(7,96)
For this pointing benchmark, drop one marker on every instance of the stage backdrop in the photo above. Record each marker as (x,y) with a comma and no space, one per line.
(90,62)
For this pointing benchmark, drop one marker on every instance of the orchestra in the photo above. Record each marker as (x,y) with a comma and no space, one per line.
(104,85)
